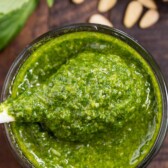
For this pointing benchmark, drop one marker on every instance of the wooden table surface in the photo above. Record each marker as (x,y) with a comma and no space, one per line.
(155,39)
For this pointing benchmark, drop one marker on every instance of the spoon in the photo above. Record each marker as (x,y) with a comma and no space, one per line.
(72,104)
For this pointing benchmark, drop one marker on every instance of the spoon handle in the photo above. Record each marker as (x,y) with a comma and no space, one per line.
(5,117)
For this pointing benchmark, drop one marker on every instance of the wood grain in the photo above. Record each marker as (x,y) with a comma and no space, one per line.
(155,39)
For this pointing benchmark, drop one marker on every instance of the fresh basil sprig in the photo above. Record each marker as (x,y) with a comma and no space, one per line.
(13,15)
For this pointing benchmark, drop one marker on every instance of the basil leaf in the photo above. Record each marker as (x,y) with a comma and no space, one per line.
(7,6)
(50,3)
(12,20)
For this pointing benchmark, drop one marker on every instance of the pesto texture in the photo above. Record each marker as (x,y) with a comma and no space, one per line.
(94,100)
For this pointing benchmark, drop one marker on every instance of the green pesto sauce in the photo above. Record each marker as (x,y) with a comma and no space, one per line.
(107,99)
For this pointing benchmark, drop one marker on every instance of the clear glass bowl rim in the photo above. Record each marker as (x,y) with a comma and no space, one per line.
(92,28)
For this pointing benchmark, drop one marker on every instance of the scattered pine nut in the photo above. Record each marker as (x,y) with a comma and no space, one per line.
(105,5)
(100,19)
(149,19)
(133,13)
(78,1)
(148,4)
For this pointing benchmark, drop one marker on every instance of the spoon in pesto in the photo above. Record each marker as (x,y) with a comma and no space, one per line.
(79,101)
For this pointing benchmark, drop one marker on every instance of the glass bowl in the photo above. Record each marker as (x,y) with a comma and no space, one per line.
(91,28)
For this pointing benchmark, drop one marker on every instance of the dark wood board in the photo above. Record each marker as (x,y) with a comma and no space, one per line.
(155,39)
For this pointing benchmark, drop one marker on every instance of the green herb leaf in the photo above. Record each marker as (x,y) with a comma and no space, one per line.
(50,3)
(8,6)
(13,17)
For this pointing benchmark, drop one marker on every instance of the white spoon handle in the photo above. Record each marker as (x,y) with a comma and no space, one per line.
(5,117)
